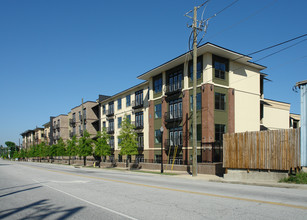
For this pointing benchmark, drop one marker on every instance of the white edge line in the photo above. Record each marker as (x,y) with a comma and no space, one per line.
(91,203)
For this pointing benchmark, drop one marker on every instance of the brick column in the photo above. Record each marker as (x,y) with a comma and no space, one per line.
(151,132)
(165,131)
(207,121)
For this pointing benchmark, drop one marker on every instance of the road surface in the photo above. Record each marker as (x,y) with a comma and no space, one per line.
(47,191)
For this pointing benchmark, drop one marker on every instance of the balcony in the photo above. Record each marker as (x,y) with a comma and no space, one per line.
(172,144)
(140,146)
(173,116)
(72,122)
(172,89)
(110,112)
(137,104)
(110,130)
(138,125)
(71,134)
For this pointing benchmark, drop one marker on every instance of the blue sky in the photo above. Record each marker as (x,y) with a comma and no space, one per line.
(53,53)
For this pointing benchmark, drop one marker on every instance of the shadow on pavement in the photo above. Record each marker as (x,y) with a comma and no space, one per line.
(39,210)
(23,190)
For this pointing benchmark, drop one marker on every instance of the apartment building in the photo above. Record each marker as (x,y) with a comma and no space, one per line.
(58,128)
(39,135)
(84,117)
(132,103)
(28,138)
(47,132)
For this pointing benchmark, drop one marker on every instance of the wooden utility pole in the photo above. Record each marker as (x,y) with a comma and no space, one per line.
(194,170)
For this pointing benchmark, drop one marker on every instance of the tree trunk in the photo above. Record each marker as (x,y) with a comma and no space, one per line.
(84,160)
(69,160)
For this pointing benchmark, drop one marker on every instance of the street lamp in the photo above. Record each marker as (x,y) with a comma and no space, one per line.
(161,130)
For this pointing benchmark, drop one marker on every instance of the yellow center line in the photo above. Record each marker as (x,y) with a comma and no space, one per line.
(174,190)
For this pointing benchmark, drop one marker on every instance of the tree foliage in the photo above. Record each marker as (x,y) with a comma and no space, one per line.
(71,148)
(128,138)
(102,148)
(85,147)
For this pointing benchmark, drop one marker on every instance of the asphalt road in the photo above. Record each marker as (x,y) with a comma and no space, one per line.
(47,191)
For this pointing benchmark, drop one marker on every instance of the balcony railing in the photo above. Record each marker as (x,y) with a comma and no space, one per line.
(72,122)
(173,88)
(138,125)
(110,130)
(173,144)
(173,116)
(137,104)
(140,146)
(110,112)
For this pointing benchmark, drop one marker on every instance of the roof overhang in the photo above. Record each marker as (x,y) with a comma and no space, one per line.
(205,48)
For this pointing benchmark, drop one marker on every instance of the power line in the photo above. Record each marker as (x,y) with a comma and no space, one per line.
(278,44)
(246,18)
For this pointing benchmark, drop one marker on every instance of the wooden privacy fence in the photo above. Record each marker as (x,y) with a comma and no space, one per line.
(268,150)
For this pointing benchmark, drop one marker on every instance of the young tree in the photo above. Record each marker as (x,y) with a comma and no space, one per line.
(102,148)
(61,148)
(128,138)
(85,146)
(71,148)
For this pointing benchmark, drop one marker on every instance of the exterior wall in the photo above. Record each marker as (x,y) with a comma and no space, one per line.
(39,135)
(246,84)
(60,130)
(275,115)
(90,118)
(47,133)
(127,110)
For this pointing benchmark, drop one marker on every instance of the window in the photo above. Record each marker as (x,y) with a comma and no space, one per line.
(74,117)
(158,84)
(220,101)
(119,104)
(119,141)
(128,101)
(139,98)
(104,124)
(139,119)
(158,136)
(198,102)
(111,142)
(220,69)
(119,122)
(175,109)
(129,118)
(111,125)
(80,130)
(140,140)
(158,111)
(220,129)
(104,109)
(175,136)
(199,68)
(84,113)
(111,108)
(175,81)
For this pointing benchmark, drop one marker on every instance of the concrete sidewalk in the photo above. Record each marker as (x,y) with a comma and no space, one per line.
(214,178)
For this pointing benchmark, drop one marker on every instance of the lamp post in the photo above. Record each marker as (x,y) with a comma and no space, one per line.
(161,130)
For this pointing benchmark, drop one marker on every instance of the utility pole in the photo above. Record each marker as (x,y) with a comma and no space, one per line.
(194,169)
(197,26)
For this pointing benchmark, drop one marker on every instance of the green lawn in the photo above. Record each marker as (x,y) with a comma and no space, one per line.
(299,178)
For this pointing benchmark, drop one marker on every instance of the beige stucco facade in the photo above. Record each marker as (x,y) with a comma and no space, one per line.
(130,110)
(276,115)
